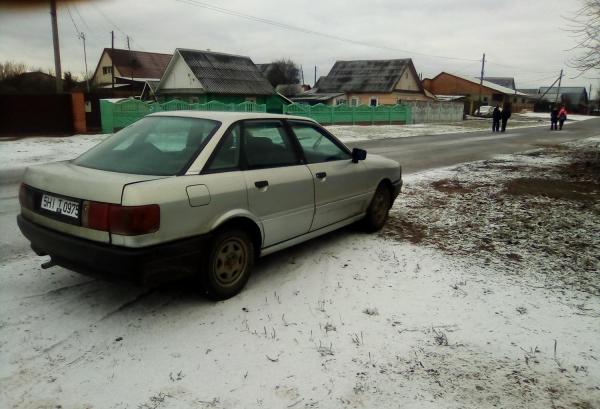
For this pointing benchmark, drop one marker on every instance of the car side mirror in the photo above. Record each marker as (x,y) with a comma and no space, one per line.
(358,154)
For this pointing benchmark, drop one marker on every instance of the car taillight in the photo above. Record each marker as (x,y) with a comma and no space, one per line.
(134,220)
(26,197)
(95,215)
(123,220)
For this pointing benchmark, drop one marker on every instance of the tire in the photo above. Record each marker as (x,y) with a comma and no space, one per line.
(227,265)
(377,212)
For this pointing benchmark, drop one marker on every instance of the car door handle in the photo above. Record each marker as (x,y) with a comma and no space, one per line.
(320,175)
(261,183)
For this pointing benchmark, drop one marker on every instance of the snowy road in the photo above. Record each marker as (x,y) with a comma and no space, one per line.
(348,320)
(430,151)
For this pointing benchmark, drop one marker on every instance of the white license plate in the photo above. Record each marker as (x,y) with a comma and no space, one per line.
(61,206)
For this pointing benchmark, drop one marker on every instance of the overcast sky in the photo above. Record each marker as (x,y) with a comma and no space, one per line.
(525,39)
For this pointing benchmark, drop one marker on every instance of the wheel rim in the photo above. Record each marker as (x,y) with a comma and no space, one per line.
(380,207)
(230,262)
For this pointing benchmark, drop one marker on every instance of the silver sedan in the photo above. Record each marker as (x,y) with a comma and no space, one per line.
(202,194)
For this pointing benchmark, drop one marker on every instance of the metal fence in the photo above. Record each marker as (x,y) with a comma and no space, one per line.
(428,112)
(345,114)
(118,115)
(36,114)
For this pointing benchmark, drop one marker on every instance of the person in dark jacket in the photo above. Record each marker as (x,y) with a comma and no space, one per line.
(554,119)
(496,119)
(505,115)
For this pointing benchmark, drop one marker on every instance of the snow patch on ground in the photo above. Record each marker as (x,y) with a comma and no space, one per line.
(348,320)
(351,133)
(16,155)
(546,115)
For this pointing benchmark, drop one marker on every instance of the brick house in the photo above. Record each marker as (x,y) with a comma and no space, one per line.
(491,93)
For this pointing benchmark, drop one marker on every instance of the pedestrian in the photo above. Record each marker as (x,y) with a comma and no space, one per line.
(562,117)
(554,119)
(496,119)
(505,115)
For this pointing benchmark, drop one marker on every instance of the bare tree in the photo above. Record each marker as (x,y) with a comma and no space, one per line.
(585,27)
(11,69)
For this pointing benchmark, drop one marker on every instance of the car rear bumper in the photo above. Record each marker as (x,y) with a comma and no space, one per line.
(145,265)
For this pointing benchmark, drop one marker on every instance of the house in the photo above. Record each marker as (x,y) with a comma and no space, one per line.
(203,76)
(367,82)
(576,99)
(507,82)
(469,87)
(132,69)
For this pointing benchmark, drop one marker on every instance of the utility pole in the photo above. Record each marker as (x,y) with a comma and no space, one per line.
(558,90)
(589,99)
(112,58)
(481,78)
(57,69)
(315,75)
(87,80)
(130,59)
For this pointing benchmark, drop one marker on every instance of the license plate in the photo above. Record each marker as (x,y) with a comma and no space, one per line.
(60,206)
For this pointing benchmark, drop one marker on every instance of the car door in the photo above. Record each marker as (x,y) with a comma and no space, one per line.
(340,184)
(280,188)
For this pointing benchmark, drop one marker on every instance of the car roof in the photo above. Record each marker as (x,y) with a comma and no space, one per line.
(228,116)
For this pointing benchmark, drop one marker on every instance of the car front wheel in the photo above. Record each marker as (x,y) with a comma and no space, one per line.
(378,210)
(227,265)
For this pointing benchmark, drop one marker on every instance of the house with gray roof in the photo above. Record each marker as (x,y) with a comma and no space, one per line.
(203,76)
(367,82)
(573,96)
(506,82)
(576,99)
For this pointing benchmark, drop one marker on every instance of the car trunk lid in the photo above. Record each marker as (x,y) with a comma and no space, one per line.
(74,184)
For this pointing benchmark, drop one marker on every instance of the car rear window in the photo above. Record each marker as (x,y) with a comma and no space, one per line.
(153,145)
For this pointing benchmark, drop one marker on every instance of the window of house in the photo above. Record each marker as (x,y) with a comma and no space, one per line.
(398,101)
(485,99)
(251,99)
(316,144)
(267,145)
(107,70)
(340,101)
(373,101)
(354,102)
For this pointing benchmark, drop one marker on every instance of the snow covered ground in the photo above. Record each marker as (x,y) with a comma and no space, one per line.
(468,299)
(17,154)
(546,115)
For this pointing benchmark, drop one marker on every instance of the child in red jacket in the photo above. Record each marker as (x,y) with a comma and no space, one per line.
(562,116)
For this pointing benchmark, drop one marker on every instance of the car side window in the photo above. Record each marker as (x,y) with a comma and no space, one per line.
(317,145)
(227,155)
(267,145)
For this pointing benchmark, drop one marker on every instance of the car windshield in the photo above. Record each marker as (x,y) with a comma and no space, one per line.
(154,145)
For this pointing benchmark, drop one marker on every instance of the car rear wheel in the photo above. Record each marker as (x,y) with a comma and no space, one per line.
(378,210)
(227,264)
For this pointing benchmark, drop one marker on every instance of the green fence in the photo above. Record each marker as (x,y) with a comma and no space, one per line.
(118,115)
(345,114)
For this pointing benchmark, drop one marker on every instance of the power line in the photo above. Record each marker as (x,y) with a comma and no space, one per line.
(113,24)
(81,17)
(309,31)
(73,21)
